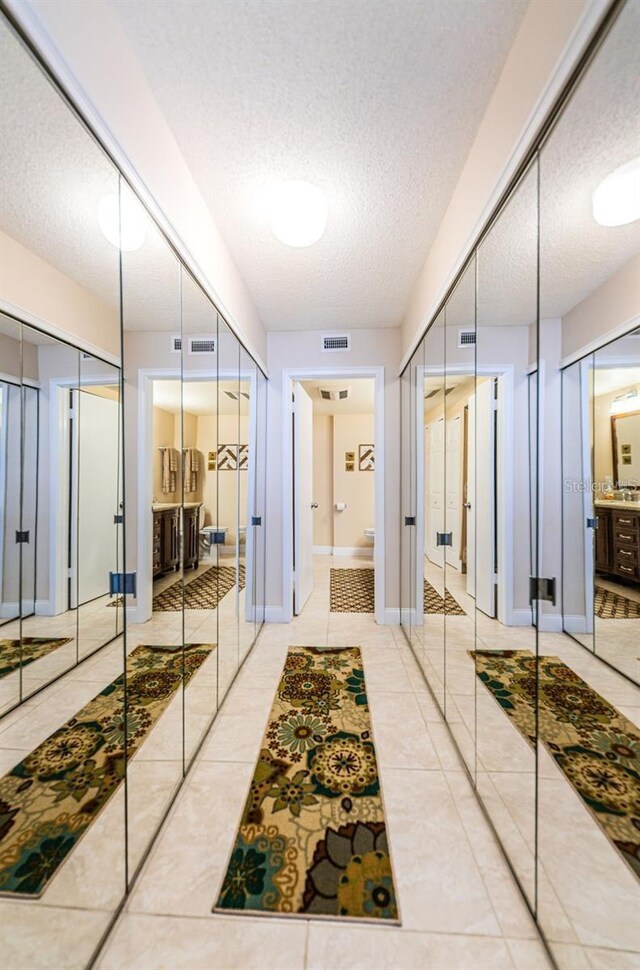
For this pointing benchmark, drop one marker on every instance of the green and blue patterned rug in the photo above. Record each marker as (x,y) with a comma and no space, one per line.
(50,799)
(596,748)
(312,840)
(18,653)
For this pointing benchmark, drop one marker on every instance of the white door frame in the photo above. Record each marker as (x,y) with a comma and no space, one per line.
(332,373)
(504,480)
(142,611)
(59,485)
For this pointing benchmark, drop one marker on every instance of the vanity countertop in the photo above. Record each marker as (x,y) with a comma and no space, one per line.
(615,503)
(164,506)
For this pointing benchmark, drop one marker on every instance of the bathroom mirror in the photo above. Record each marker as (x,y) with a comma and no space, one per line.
(625,444)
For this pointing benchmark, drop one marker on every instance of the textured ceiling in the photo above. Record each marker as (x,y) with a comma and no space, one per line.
(360,401)
(376,102)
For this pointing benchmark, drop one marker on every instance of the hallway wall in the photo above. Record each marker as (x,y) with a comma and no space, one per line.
(369,348)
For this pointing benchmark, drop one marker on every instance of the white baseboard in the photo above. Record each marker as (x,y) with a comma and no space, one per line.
(276,614)
(44,608)
(550,623)
(578,624)
(391,616)
(323,550)
(366,552)
(10,611)
(518,618)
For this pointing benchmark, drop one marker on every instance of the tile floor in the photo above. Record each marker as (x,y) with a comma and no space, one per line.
(460,906)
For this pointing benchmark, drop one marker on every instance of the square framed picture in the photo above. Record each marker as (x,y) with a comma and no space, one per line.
(349,466)
(366,458)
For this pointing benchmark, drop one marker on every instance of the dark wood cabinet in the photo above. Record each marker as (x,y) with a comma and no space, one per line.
(166,539)
(618,543)
(191,537)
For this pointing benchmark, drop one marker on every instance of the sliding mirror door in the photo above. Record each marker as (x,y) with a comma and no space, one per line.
(467,512)
(153,492)
(11,380)
(96,495)
(247,442)
(230,454)
(504,499)
(588,743)
(432,567)
(200,603)
(616,470)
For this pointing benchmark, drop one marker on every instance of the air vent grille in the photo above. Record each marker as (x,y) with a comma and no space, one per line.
(336,342)
(466,338)
(202,345)
(176,344)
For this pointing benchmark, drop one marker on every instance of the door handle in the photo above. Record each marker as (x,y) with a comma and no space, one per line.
(467,505)
(314,505)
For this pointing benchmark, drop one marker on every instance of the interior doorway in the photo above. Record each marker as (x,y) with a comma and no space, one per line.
(334,545)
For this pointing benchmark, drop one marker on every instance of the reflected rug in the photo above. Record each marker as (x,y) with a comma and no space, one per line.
(434,603)
(352,590)
(596,748)
(312,840)
(613,606)
(202,593)
(49,800)
(13,655)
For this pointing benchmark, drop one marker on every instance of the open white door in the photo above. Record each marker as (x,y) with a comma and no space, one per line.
(302,497)
(434,476)
(95,495)
(480,495)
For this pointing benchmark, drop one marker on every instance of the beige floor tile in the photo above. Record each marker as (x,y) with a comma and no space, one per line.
(47,938)
(217,943)
(358,948)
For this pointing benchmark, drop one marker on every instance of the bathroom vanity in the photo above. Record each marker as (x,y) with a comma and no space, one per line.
(618,539)
(166,536)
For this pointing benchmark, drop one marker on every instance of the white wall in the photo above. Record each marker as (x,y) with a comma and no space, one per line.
(548,44)
(369,348)
(612,305)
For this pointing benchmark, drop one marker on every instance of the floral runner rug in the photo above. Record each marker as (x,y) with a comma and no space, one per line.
(49,800)
(595,747)
(312,839)
(202,593)
(18,653)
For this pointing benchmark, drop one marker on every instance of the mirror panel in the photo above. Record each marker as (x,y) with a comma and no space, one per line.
(433,567)
(231,572)
(10,505)
(153,442)
(463,493)
(247,435)
(589,269)
(199,418)
(506,642)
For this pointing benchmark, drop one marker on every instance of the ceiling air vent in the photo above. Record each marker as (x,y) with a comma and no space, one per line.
(176,344)
(336,341)
(334,395)
(202,345)
(234,397)
(466,338)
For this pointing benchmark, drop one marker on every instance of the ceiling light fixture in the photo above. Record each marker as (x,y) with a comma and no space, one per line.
(122,222)
(616,201)
(297,212)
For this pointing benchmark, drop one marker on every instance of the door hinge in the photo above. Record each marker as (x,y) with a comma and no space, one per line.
(592,523)
(542,589)
(120,583)
(409,520)
(22,536)
(444,538)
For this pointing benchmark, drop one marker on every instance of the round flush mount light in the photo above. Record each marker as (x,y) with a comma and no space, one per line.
(297,212)
(122,222)
(616,201)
